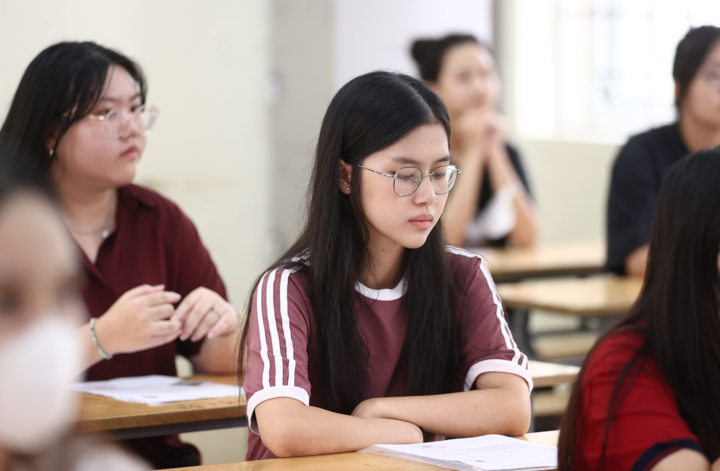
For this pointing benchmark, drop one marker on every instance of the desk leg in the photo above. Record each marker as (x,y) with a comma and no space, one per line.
(532,413)
(519,323)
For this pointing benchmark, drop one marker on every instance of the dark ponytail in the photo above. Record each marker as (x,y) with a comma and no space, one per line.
(429,53)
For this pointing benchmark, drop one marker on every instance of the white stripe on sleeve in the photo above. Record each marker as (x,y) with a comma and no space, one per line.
(290,352)
(263,342)
(272,326)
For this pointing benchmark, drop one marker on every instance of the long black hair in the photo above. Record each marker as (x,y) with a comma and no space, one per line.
(678,311)
(60,87)
(368,114)
(17,175)
(689,57)
(429,53)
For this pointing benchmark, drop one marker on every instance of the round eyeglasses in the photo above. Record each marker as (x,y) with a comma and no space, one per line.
(115,123)
(407,180)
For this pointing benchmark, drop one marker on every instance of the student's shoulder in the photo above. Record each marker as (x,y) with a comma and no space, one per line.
(465,263)
(643,146)
(613,353)
(289,277)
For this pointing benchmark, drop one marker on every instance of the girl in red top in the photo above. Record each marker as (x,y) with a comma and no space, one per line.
(369,329)
(647,396)
(80,113)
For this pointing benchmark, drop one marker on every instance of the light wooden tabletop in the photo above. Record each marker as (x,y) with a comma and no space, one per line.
(562,259)
(99,413)
(348,461)
(584,297)
(545,375)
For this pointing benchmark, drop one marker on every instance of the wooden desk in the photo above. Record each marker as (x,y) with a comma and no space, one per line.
(586,297)
(125,420)
(545,375)
(347,461)
(564,259)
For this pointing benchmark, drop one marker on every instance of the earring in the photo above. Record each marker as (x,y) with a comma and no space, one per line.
(347,188)
(52,152)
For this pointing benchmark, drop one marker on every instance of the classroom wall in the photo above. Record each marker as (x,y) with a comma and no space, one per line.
(207,65)
(318,45)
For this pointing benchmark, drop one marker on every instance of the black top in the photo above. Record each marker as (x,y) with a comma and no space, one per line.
(636,176)
(486,192)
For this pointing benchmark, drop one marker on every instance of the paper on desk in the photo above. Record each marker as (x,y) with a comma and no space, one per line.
(157,389)
(487,453)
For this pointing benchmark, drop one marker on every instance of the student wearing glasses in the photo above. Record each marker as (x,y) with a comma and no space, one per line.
(491,204)
(369,329)
(641,164)
(151,289)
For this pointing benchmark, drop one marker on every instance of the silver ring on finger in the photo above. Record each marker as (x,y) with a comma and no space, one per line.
(212,309)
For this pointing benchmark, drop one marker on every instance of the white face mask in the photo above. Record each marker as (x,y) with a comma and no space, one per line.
(37,367)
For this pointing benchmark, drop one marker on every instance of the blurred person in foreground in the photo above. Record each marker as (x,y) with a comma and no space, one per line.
(647,396)
(40,352)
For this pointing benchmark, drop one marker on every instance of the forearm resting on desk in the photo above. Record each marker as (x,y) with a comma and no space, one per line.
(500,405)
(290,428)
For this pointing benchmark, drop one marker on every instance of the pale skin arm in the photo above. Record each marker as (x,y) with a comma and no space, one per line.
(477,140)
(636,262)
(499,405)
(687,460)
(290,428)
(502,173)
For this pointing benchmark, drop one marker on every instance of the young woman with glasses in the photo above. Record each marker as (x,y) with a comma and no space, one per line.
(370,329)
(643,161)
(80,113)
(647,395)
(491,204)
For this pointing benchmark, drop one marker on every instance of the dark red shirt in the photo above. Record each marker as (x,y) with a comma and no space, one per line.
(648,425)
(281,338)
(154,243)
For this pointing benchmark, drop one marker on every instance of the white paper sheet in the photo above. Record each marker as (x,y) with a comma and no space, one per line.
(157,389)
(487,453)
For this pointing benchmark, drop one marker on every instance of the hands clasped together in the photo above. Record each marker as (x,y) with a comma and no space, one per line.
(145,317)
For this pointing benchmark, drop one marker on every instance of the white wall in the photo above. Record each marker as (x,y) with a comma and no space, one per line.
(377,34)
(207,65)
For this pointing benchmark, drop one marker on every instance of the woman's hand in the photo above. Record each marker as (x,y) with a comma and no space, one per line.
(205,313)
(139,319)
(477,132)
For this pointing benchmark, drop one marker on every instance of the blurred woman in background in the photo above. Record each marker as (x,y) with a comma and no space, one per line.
(644,160)
(491,204)
(80,111)
(40,350)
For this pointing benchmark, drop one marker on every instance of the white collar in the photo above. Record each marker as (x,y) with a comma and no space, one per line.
(382,294)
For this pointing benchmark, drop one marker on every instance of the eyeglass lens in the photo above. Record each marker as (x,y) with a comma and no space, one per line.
(116,124)
(408,179)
